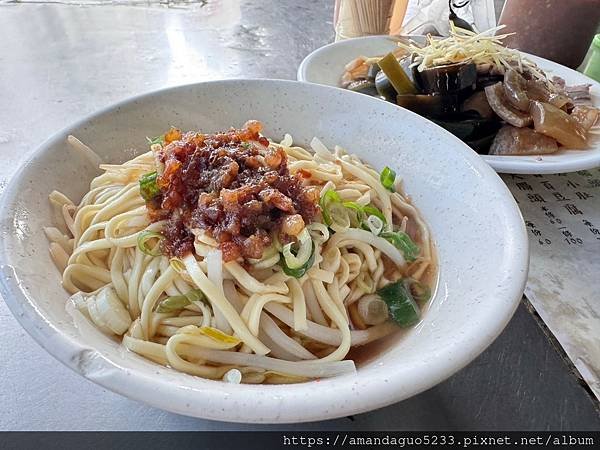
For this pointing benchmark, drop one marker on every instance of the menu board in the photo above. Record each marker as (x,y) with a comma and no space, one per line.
(562,216)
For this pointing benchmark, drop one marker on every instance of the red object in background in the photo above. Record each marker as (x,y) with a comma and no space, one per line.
(558,30)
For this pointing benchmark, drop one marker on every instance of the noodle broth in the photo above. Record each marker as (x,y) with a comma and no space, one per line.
(365,354)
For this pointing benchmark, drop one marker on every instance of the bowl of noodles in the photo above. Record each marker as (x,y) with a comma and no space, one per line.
(254,251)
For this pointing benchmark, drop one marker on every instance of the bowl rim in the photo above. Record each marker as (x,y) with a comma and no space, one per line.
(173,398)
(301,74)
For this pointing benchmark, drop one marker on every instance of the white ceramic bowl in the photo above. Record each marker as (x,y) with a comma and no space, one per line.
(326,65)
(476,224)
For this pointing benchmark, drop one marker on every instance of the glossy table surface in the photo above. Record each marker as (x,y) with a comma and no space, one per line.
(60,62)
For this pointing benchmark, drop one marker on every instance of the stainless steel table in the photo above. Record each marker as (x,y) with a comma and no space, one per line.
(59,62)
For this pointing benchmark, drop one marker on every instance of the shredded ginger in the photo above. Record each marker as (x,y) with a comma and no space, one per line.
(467,46)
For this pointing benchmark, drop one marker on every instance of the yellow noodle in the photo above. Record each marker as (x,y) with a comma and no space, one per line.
(94,245)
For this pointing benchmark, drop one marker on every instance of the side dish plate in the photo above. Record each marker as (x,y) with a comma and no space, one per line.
(326,65)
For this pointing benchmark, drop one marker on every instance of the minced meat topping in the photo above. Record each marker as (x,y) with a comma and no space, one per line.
(231,185)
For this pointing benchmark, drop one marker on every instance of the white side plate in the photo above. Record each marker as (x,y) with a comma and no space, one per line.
(326,65)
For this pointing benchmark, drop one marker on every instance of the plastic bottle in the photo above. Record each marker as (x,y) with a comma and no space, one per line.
(592,68)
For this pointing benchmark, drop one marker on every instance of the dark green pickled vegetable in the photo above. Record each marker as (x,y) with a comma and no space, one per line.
(461,128)
(395,73)
(430,105)
(476,131)
(401,304)
(478,103)
(469,126)
(484,80)
(448,79)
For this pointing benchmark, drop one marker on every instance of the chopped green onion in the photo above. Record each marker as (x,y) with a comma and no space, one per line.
(149,186)
(375,225)
(335,212)
(373,310)
(318,232)
(294,261)
(195,295)
(370,210)
(156,140)
(143,239)
(327,199)
(340,219)
(300,271)
(246,145)
(402,242)
(359,213)
(387,178)
(403,308)
(174,303)
(177,302)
